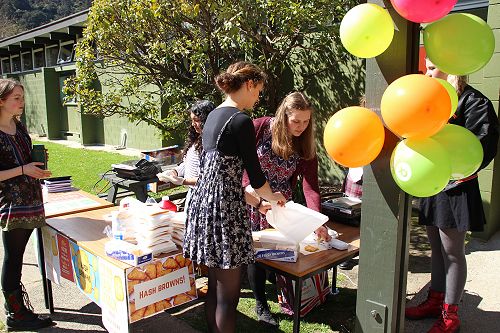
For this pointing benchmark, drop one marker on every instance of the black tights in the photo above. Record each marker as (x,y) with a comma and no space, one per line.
(449,266)
(222,299)
(257,280)
(14,244)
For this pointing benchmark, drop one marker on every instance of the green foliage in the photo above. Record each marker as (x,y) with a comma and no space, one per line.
(149,59)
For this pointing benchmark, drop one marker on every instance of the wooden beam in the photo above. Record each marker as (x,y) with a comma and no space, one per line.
(43,40)
(32,45)
(14,48)
(75,30)
(61,36)
(386,210)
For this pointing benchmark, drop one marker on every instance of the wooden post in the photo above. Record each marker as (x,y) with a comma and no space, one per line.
(386,210)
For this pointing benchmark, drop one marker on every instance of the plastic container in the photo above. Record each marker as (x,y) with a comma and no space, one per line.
(45,194)
(167,204)
(117,226)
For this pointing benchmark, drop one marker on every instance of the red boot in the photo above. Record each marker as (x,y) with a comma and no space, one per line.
(430,308)
(448,322)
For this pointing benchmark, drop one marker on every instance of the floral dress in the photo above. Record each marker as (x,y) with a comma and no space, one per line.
(21,203)
(278,172)
(217,231)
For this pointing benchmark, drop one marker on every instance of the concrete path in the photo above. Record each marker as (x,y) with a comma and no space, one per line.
(480,307)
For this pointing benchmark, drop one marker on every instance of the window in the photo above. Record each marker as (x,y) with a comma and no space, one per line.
(5,65)
(16,64)
(27,61)
(52,53)
(66,53)
(39,56)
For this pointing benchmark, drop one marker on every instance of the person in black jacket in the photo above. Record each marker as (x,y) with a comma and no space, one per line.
(449,214)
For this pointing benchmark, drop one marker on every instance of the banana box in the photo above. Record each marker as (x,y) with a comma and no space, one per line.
(86,272)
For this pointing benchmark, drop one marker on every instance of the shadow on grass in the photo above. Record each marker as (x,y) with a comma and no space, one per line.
(337,314)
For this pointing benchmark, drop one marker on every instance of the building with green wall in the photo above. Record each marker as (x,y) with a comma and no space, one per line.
(42,59)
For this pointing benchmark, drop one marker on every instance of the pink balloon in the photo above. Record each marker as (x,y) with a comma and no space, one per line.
(422,11)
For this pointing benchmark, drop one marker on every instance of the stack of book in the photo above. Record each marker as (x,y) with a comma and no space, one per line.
(58,184)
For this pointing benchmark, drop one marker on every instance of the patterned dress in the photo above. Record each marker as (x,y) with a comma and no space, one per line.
(278,172)
(21,203)
(217,232)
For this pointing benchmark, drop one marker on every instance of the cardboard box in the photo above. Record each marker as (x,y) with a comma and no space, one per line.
(163,156)
(127,252)
(159,186)
(270,244)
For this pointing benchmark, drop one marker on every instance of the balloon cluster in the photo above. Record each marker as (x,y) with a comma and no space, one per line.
(432,152)
(458,44)
(414,107)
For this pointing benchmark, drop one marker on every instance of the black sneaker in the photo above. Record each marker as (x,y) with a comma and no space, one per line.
(264,315)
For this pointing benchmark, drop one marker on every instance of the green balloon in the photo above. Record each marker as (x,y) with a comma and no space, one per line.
(464,149)
(420,167)
(459,43)
(453,95)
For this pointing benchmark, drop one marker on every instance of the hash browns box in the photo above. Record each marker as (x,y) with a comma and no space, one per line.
(270,244)
(160,285)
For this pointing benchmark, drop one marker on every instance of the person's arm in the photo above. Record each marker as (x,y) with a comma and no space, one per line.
(259,130)
(310,187)
(244,132)
(480,119)
(179,170)
(310,184)
(30,169)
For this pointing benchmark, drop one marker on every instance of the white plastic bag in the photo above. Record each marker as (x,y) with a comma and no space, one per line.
(295,221)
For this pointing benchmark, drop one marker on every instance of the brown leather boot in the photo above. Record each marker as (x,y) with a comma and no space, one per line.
(20,316)
(430,308)
(448,322)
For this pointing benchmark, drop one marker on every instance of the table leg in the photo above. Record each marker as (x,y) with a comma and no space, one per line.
(113,191)
(334,281)
(296,305)
(47,285)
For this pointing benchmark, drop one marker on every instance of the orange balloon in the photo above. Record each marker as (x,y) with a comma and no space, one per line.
(415,106)
(354,136)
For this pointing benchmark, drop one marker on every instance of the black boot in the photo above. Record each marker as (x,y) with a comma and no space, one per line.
(20,316)
(264,314)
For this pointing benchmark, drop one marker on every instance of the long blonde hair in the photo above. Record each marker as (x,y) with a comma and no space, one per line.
(458,82)
(285,145)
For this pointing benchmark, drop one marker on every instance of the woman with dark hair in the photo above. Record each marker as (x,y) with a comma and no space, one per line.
(449,214)
(188,171)
(286,150)
(217,231)
(21,205)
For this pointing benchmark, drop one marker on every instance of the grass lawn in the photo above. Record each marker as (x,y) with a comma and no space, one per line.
(85,167)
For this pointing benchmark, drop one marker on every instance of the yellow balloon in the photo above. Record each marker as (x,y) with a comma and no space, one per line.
(366,31)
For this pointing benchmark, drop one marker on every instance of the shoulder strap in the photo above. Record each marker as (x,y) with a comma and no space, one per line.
(224,127)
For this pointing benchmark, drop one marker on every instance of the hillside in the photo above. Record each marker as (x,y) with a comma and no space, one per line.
(20,15)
